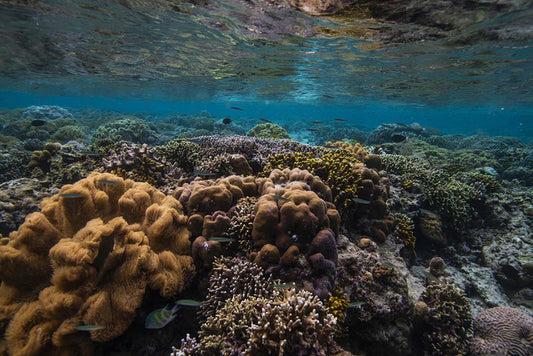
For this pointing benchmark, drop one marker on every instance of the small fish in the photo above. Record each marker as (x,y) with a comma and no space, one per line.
(226,121)
(388,126)
(89,327)
(283,285)
(341,120)
(71,195)
(221,239)
(279,197)
(361,201)
(107,181)
(38,122)
(327,96)
(189,302)
(401,125)
(428,212)
(236,108)
(195,140)
(205,245)
(388,264)
(159,318)
(203,173)
(90,153)
(355,304)
(265,120)
(398,138)
(312,130)
(316,122)
(330,146)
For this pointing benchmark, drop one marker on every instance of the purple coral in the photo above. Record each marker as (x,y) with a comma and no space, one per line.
(502,331)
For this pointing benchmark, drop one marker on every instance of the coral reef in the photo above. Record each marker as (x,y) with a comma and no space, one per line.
(244,314)
(268,130)
(256,150)
(87,259)
(128,129)
(502,331)
(140,162)
(45,112)
(19,198)
(382,317)
(445,319)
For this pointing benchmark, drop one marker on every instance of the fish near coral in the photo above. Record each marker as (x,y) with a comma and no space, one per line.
(159,318)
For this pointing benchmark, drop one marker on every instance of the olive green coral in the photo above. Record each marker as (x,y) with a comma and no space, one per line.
(446,326)
(268,130)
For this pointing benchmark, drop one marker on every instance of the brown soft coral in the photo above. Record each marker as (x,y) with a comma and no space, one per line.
(87,259)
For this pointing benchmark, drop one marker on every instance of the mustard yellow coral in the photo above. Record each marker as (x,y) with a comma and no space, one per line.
(86,259)
(340,169)
(337,304)
(405,229)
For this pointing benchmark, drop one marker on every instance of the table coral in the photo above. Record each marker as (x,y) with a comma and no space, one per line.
(502,331)
(87,258)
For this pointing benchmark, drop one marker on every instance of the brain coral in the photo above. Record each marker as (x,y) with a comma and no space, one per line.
(86,259)
(502,331)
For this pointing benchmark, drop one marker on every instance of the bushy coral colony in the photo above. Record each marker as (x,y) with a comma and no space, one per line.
(218,244)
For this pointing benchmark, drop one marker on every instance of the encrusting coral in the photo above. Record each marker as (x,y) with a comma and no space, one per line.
(86,259)
(502,331)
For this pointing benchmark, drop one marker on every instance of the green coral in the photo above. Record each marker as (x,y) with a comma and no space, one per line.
(405,229)
(186,154)
(268,130)
(68,133)
(490,184)
(447,194)
(447,321)
(339,169)
(125,129)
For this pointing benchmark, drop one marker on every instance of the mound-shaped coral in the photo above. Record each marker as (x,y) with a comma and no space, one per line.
(86,259)
(268,130)
(502,331)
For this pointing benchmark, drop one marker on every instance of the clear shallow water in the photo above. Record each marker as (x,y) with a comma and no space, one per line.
(270,60)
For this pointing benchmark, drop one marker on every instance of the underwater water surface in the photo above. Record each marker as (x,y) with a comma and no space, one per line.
(168,56)
(266,177)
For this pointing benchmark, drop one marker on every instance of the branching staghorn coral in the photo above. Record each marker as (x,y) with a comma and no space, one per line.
(256,319)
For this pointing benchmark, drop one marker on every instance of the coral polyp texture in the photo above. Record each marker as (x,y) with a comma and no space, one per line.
(446,320)
(245,315)
(291,231)
(87,259)
(502,331)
